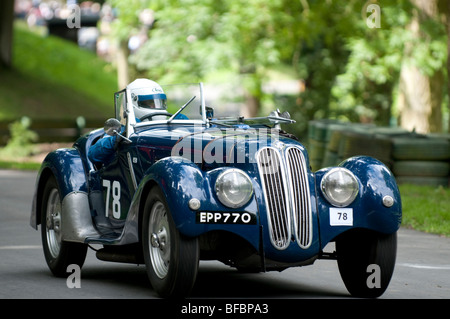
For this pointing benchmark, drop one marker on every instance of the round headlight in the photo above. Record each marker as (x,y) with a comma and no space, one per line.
(339,186)
(234,188)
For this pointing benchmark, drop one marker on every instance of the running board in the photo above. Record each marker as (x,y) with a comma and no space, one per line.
(130,254)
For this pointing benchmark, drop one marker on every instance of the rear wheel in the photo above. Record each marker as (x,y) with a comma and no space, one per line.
(366,261)
(171,258)
(58,253)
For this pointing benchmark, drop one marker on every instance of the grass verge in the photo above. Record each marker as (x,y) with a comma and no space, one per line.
(426,208)
(54,79)
(26,166)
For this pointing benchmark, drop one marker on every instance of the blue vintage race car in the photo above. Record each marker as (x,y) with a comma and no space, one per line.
(238,190)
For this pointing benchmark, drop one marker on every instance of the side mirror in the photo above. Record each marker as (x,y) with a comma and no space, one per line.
(209,112)
(112,125)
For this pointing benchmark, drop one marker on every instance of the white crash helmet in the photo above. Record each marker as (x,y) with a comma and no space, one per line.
(147,97)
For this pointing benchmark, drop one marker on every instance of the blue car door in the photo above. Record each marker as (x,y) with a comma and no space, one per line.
(119,183)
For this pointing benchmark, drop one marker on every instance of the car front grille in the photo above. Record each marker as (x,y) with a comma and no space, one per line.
(287,196)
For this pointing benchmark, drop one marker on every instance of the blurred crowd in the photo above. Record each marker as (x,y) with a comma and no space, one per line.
(40,13)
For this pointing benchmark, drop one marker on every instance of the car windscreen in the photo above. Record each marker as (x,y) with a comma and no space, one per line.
(179,95)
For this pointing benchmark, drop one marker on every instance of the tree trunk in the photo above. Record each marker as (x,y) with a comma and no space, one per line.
(447,15)
(123,77)
(252,103)
(252,85)
(420,100)
(6,32)
(420,96)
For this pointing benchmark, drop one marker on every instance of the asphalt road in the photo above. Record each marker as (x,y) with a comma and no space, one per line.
(422,270)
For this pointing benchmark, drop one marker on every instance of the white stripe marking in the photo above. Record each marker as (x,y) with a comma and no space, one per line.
(20,247)
(418,266)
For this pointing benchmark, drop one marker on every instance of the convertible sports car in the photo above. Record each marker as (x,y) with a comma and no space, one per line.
(238,190)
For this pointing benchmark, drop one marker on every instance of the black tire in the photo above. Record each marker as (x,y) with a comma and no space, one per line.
(58,253)
(363,143)
(172,269)
(421,149)
(336,140)
(330,159)
(421,168)
(433,181)
(356,251)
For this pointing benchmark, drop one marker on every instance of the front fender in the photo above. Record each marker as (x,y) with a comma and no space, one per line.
(181,180)
(375,182)
(66,165)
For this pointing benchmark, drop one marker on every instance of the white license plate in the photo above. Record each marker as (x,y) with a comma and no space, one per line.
(341,216)
(225,218)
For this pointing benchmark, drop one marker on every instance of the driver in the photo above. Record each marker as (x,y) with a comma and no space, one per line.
(147,98)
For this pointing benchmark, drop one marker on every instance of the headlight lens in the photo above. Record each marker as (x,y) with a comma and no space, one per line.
(340,187)
(234,188)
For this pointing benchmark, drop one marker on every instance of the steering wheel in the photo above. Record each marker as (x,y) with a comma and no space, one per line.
(150,115)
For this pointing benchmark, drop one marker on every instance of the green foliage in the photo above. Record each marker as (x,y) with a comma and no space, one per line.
(318,54)
(128,13)
(367,87)
(192,39)
(350,71)
(21,142)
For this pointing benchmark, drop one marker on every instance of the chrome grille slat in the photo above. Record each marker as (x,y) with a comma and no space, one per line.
(274,187)
(286,193)
(301,203)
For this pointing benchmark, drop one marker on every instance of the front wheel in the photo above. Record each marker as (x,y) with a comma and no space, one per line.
(58,253)
(171,258)
(366,261)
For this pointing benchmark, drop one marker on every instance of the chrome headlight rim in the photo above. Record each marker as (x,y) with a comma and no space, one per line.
(326,189)
(223,196)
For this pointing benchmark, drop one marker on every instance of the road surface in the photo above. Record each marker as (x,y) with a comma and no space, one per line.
(422,270)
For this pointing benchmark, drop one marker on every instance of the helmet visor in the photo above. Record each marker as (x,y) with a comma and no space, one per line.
(153,101)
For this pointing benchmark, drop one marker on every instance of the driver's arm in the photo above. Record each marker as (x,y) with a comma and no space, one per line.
(103,151)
